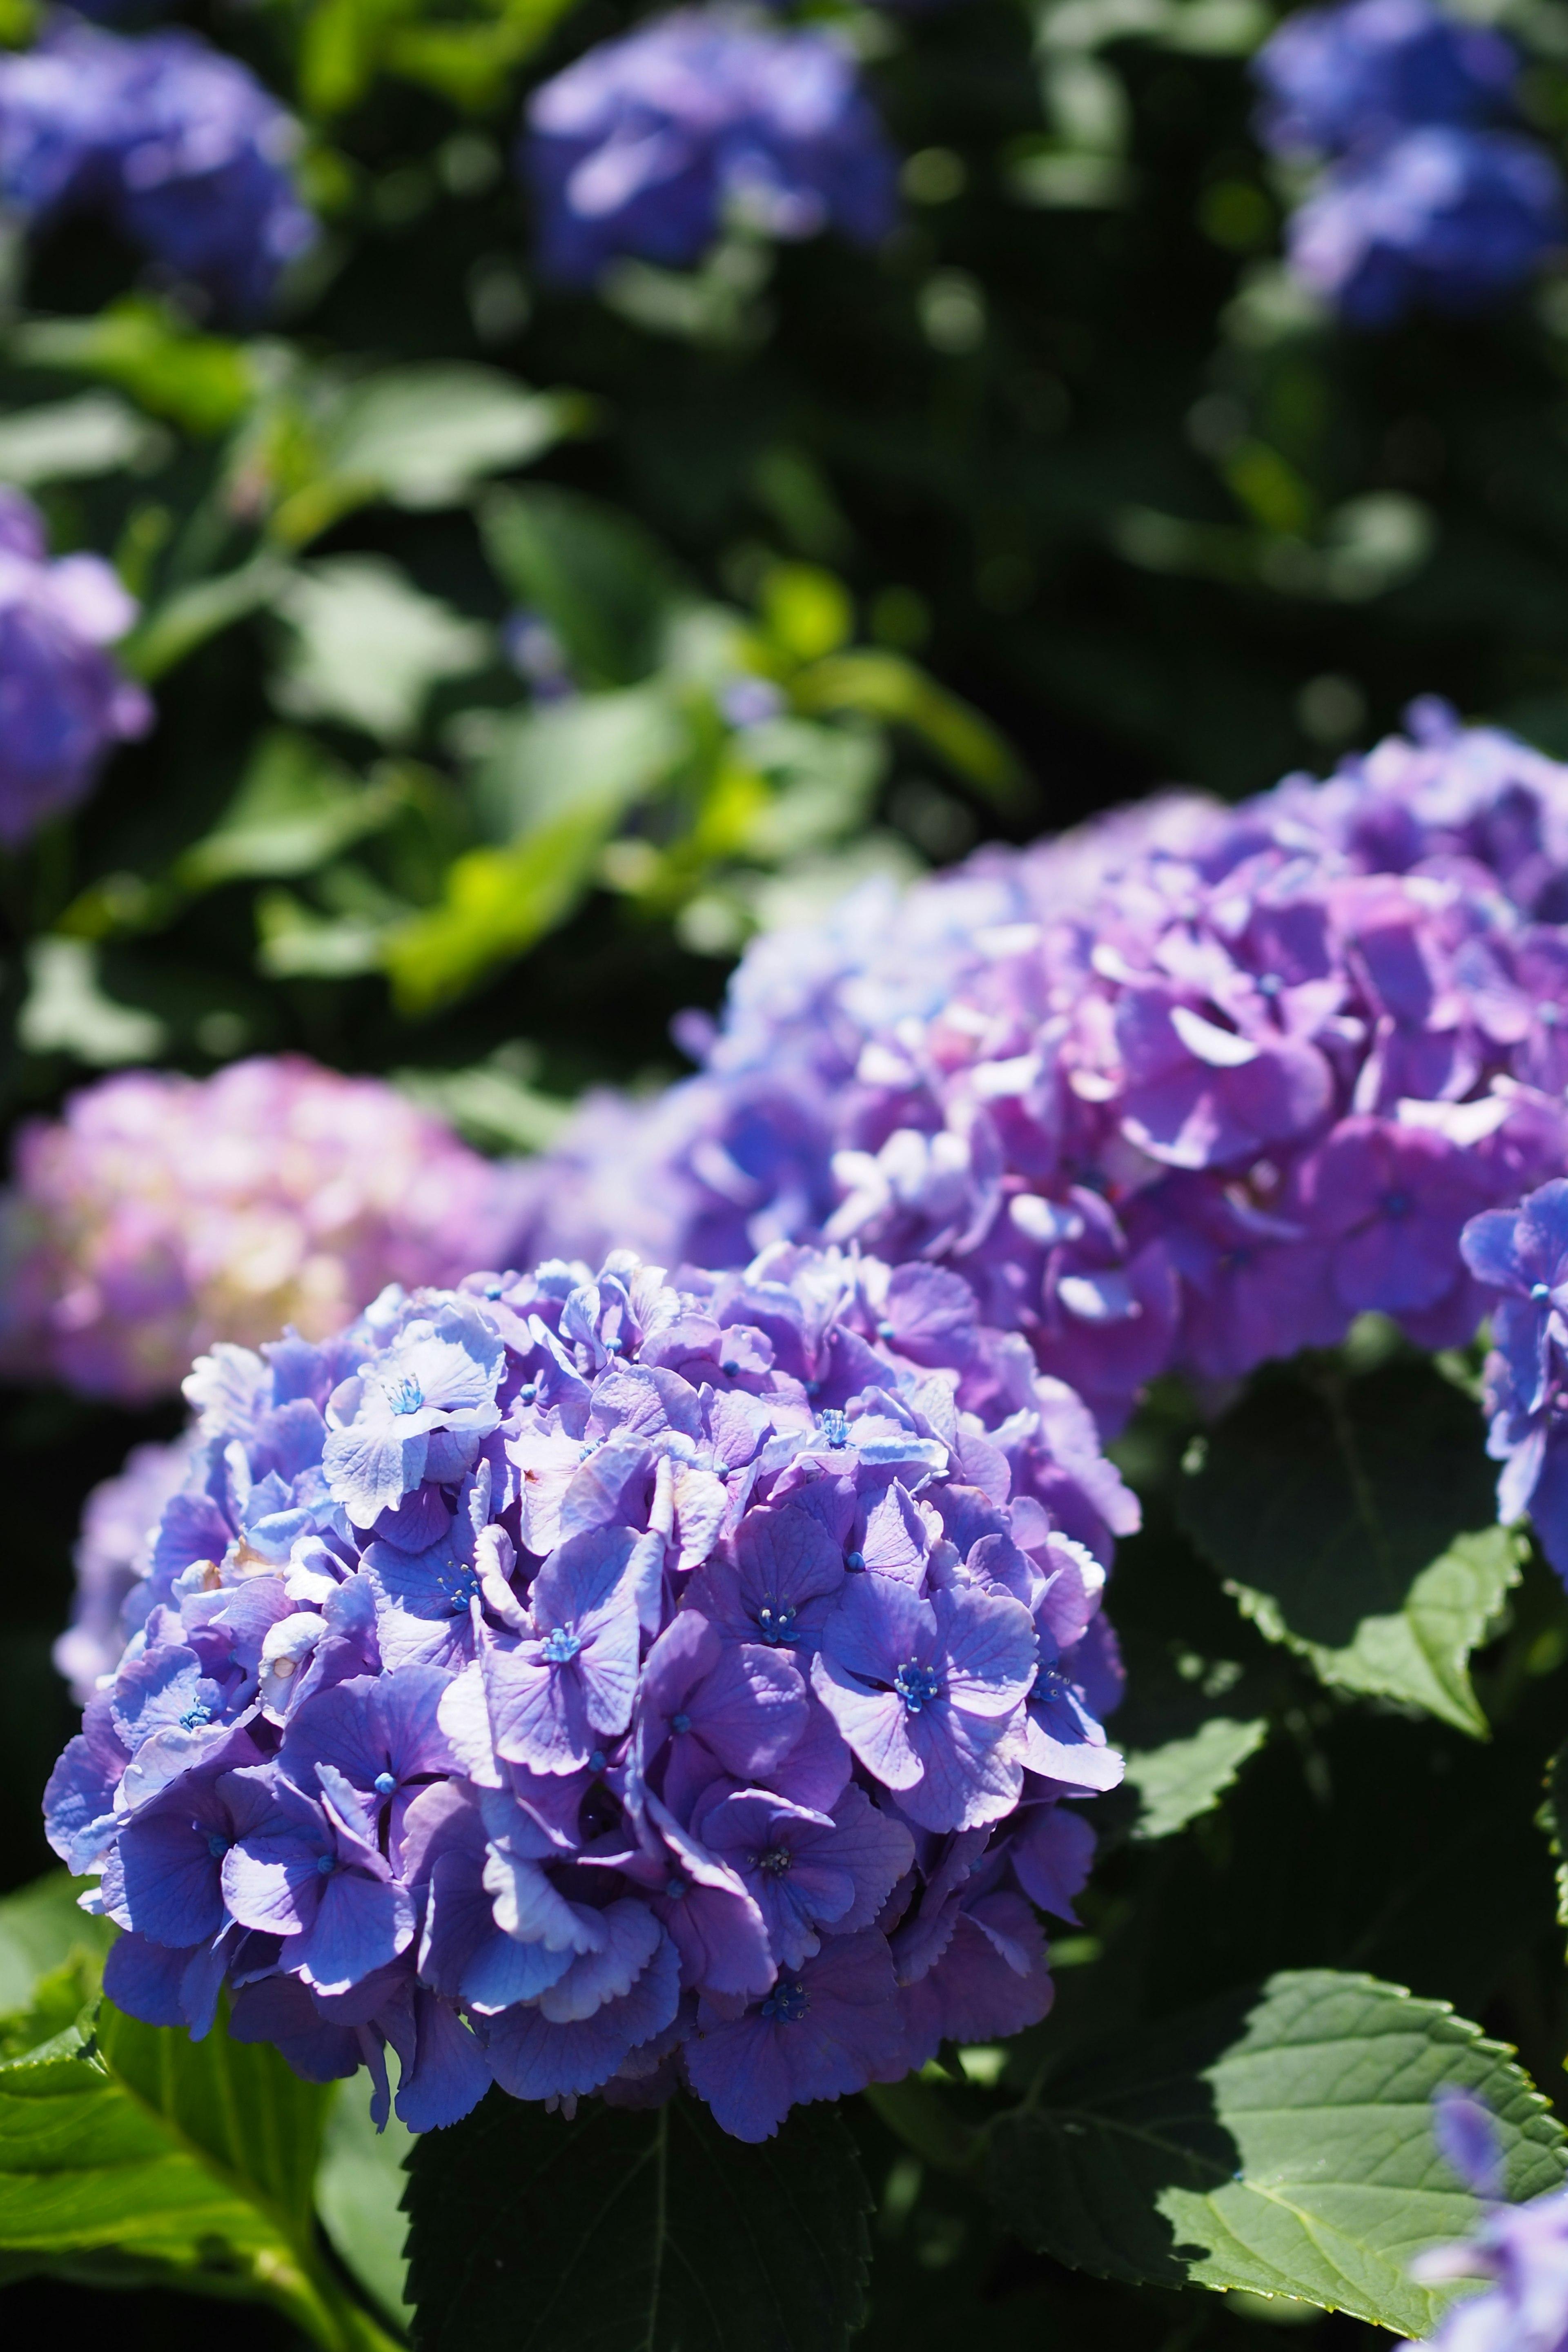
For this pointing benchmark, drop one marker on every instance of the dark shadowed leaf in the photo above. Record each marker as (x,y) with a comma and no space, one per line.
(635,2233)
(1351,1519)
(1278,2140)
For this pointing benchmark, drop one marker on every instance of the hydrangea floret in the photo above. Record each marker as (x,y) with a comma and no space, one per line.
(1523,2249)
(162,1212)
(1521,1254)
(605,1682)
(1188,1090)
(66,700)
(179,145)
(649,145)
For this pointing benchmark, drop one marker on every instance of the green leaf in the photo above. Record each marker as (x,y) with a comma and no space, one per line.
(626,2232)
(1349,1518)
(1278,2140)
(1185,1777)
(1553,1820)
(370,646)
(359,2197)
(67,1010)
(130,2154)
(601,752)
(603,584)
(421,437)
(491,1103)
(200,381)
(94,434)
(41,1929)
(497,903)
(295,809)
(884,685)
(189,617)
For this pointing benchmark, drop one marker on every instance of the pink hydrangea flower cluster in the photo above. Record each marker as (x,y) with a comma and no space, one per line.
(164,1213)
(1189,1088)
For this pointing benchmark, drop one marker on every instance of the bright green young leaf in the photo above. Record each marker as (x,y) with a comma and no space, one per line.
(1279,2140)
(498,902)
(200,381)
(295,809)
(1185,1777)
(359,2197)
(626,2232)
(1352,1521)
(370,646)
(807,612)
(603,584)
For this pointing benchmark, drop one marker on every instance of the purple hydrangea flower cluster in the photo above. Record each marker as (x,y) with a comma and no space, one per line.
(1521,1254)
(163,1214)
(1521,2249)
(64,702)
(1190,1088)
(647,144)
(179,145)
(1423,199)
(596,1682)
(113,1555)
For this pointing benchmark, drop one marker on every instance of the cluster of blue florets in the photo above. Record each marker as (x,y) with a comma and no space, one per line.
(649,145)
(179,146)
(1426,192)
(596,1682)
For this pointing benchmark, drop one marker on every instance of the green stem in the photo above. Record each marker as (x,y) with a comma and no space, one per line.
(924,2123)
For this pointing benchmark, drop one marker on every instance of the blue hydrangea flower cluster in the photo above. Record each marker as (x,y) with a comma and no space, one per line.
(596,1682)
(1423,198)
(1521,2249)
(177,144)
(64,701)
(1188,1090)
(650,144)
(1521,1254)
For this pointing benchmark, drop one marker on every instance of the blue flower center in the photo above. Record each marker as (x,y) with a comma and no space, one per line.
(787,2004)
(1269,983)
(884,1331)
(492,1290)
(682,1722)
(561,1646)
(528,1392)
(1539,1290)
(407,1396)
(775,1620)
(1396,1204)
(326,1864)
(1049,1683)
(730,1371)
(675,1888)
(217,1846)
(597,1760)
(195,1717)
(384,1784)
(917,1686)
(835,1427)
(775,1859)
(854,1561)
(1549,1015)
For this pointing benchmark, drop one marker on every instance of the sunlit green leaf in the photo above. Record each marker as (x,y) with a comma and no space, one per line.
(1185,1777)
(1279,2140)
(370,646)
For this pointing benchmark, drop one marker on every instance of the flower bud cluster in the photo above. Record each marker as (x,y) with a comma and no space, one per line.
(587,1682)
(178,145)
(164,1213)
(1422,198)
(1190,1088)
(649,145)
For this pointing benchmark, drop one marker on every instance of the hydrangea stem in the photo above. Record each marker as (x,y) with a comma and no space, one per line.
(921,2120)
